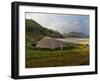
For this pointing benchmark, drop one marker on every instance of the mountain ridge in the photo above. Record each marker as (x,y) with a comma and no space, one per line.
(75,34)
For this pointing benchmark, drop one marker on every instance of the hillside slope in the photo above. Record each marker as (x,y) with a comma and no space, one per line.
(35,32)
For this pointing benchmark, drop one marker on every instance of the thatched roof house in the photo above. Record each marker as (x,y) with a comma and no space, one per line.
(49,42)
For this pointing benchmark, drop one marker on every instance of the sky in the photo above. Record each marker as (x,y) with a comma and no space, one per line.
(62,23)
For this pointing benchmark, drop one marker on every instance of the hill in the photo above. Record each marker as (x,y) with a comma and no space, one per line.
(35,32)
(75,34)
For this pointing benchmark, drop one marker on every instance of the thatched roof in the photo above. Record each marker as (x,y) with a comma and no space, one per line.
(49,42)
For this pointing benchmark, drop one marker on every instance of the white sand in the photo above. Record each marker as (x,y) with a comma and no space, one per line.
(76,40)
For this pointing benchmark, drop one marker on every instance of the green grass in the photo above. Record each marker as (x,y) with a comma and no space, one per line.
(72,55)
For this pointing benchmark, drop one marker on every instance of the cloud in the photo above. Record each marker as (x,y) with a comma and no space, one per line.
(43,19)
(67,26)
(61,23)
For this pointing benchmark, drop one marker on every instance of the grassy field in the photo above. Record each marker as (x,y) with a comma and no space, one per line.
(72,55)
